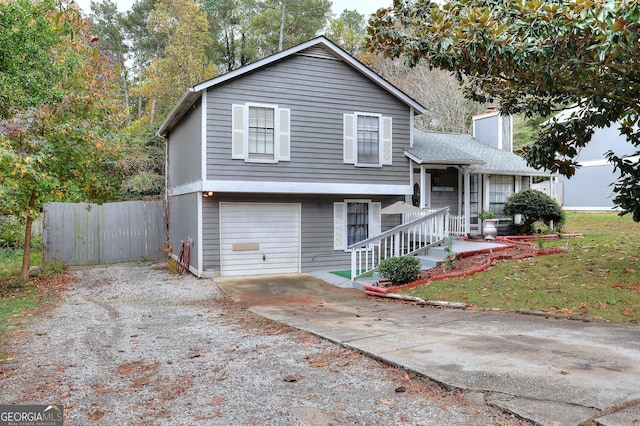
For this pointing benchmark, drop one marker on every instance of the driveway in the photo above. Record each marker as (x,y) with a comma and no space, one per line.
(131,344)
(551,371)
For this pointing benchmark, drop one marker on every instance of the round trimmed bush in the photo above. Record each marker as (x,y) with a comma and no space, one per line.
(400,270)
(534,206)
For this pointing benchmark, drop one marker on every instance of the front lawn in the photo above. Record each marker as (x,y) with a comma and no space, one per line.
(597,278)
(18,297)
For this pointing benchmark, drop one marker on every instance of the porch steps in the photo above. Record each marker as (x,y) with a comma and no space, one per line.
(434,256)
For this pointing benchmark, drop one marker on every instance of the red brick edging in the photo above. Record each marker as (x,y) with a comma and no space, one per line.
(509,241)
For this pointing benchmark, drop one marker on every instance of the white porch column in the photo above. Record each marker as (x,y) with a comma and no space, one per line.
(467,200)
(485,192)
(425,188)
(517,219)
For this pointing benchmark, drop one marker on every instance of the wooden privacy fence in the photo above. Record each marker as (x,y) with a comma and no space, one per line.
(85,234)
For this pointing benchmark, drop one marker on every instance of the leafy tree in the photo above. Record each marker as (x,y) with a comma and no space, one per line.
(348,31)
(437,90)
(532,57)
(142,161)
(233,45)
(281,24)
(534,206)
(63,147)
(107,26)
(144,46)
(183,61)
(27,68)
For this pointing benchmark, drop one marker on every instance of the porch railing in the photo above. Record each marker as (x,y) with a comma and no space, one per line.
(403,240)
(456,225)
(456,222)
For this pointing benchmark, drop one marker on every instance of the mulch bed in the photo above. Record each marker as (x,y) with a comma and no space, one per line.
(468,263)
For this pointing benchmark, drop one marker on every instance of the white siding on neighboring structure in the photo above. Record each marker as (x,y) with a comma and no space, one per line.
(259,238)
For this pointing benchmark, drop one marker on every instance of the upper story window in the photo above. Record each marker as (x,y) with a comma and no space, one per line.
(261,133)
(367,139)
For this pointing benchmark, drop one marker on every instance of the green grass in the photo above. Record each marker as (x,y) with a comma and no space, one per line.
(597,278)
(17,296)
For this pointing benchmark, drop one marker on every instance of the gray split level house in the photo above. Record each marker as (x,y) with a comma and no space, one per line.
(286,164)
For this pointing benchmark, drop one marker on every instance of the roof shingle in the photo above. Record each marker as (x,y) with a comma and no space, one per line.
(463,150)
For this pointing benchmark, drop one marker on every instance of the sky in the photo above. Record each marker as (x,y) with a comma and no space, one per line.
(365,7)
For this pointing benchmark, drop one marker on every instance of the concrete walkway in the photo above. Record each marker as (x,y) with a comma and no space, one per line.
(553,372)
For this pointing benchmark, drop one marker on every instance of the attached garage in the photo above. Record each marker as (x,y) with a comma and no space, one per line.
(259,238)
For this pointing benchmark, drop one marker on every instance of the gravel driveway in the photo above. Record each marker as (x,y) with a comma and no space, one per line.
(134,345)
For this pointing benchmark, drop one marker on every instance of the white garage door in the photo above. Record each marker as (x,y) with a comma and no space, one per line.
(258,239)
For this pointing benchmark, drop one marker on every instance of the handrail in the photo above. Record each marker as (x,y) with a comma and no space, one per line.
(398,228)
(403,240)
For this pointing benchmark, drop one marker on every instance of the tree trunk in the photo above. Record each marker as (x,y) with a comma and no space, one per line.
(282,15)
(152,117)
(26,256)
(139,106)
(125,87)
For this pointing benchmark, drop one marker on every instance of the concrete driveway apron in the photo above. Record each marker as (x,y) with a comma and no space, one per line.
(551,371)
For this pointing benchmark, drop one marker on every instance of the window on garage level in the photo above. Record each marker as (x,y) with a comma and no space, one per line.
(357,222)
(354,221)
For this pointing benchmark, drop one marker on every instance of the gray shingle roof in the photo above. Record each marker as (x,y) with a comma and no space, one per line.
(457,150)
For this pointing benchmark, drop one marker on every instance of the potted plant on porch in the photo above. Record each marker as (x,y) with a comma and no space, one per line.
(489,229)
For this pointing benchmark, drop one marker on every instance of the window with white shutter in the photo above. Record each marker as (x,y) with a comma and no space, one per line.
(260,133)
(354,221)
(368,140)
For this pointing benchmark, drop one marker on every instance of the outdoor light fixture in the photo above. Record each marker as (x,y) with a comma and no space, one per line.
(208,194)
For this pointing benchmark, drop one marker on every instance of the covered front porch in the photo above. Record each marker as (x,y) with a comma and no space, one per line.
(468,176)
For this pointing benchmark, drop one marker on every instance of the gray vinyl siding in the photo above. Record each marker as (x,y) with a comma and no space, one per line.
(589,187)
(486,130)
(318,91)
(183,224)
(185,150)
(317,251)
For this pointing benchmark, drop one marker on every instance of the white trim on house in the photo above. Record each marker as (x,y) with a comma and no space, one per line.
(187,188)
(412,122)
(241,186)
(203,136)
(200,241)
(595,163)
(592,208)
